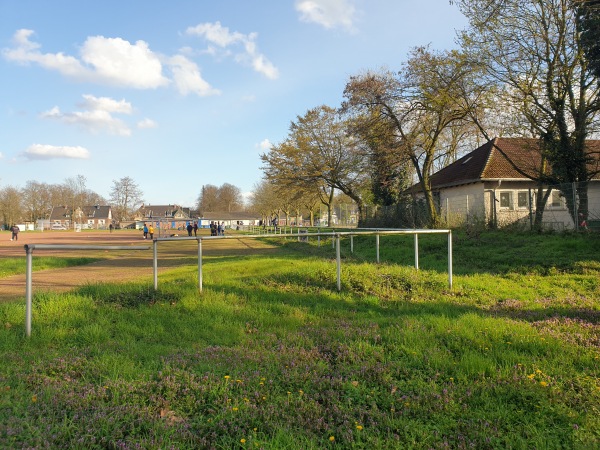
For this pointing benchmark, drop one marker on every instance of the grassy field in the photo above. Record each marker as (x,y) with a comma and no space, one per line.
(271,356)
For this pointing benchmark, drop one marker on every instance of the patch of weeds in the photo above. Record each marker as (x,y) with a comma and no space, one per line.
(127,296)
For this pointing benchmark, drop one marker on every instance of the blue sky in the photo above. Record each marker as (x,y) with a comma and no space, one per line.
(184,93)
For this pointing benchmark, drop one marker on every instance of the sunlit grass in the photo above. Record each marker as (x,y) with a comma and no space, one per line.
(14,266)
(270,355)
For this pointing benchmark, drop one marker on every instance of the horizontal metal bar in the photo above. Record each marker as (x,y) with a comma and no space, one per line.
(84,247)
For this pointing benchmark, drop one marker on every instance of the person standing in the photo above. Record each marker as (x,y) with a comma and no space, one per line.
(189,229)
(151,231)
(145,229)
(195,228)
(15,233)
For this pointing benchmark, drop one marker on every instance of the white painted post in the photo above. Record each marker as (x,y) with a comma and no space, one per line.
(450,259)
(377,246)
(351,243)
(200,265)
(339,263)
(417,251)
(155,263)
(28,291)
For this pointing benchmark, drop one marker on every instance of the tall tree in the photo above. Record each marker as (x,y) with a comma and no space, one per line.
(226,197)
(533,51)
(125,198)
(36,200)
(10,206)
(230,198)
(588,13)
(318,152)
(431,94)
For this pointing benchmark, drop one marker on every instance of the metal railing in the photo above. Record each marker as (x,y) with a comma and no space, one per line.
(335,235)
(28,277)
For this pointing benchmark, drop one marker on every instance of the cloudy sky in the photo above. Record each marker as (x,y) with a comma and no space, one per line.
(184,93)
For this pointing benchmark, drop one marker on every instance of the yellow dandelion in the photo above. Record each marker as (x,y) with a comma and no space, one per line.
(543,384)
(238,381)
(407,404)
(355,383)
(531,377)
(359,427)
(34,398)
(243,441)
(289,393)
(538,371)
(451,378)
(261,383)
(332,438)
(255,429)
(246,400)
(227,377)
(264,398)
(235,408)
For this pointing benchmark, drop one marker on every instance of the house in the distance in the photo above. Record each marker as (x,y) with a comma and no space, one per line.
(231,220)
(97,217)
(494,183)
(164,216)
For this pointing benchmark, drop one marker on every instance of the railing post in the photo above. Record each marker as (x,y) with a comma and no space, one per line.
(339,262)
(28,290)
(155,263)
(200,265)
(417,251)
(351,243)
(377,246)
(450,259)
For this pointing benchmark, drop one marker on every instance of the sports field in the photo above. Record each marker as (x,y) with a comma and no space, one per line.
(114,266)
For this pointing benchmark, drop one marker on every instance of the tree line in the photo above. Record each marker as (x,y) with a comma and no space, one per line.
(524,68)
(36,199)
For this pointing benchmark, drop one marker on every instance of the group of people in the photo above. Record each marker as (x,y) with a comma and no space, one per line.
(148,231)
(217,229)
(192,228)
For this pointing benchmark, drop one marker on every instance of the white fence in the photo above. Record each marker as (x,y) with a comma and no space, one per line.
(335,235)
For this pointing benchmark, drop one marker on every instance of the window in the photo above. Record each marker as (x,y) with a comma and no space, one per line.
(556,200)
(506,200)
(523,199)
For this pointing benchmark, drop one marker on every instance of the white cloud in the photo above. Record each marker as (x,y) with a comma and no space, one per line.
(264,145)
(327,13)
(117,62)
(147,123)
(186,75)
(217,35)
(111,61)
(41,151)
(106,104)
(97,115)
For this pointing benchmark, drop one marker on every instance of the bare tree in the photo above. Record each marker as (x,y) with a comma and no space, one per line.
(36,200)
(10,205)
(125,198)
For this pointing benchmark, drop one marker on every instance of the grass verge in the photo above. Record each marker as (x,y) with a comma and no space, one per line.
(271,356)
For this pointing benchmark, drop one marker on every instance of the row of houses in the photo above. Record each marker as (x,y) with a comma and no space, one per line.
(167,216)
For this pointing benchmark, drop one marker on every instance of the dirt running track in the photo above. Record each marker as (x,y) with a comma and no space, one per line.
(115,266)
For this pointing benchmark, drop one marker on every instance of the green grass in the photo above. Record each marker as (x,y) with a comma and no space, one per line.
(270,355)
(15,266)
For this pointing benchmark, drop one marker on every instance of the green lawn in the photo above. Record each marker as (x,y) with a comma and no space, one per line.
(271,356)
